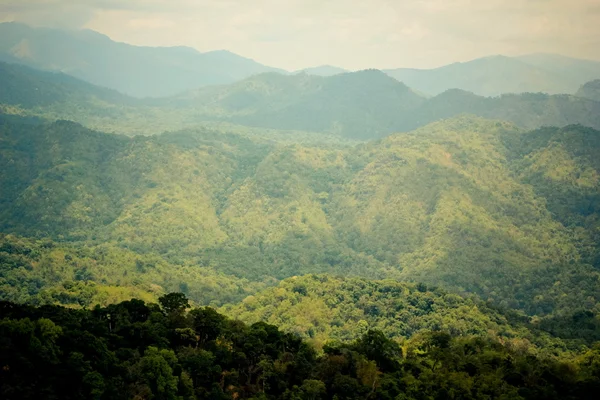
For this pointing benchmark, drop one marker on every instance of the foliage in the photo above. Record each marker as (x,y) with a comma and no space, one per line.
(472,205)
(320,308)
(46,272)
(134,350)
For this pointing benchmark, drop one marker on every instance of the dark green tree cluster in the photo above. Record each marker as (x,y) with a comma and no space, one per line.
(135,350)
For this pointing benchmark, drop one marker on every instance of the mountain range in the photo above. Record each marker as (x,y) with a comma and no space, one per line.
(359,105)
(495,75)
(134,70)
(165,71)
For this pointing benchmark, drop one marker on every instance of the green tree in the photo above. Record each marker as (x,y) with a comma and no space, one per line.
(156,371)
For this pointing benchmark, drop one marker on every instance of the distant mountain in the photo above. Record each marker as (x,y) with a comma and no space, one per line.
(367,104)
(527,110)
(590,90)
(323,70)
(358,105)
(495,75)
(29,92)
(28,88)
(362,104)
(135,70)
(575,70)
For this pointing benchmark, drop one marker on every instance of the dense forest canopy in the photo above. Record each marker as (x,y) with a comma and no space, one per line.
(469,204)
(139,350)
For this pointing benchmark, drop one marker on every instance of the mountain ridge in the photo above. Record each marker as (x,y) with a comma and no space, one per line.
(140,71)
(498,74)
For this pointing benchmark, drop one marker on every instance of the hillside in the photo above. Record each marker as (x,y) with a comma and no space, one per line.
(137,71)
(495,75)
(30,88)
(526,110)
(460,204)
(363,104)
(590,90)
(320,308)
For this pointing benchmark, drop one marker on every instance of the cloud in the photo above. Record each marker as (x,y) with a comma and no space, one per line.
(353,34)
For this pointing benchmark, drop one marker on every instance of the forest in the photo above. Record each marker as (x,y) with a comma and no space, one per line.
(135,350)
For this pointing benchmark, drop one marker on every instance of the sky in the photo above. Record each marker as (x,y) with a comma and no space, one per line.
(294,34)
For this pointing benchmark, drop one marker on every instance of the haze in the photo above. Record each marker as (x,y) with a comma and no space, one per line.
(351,34)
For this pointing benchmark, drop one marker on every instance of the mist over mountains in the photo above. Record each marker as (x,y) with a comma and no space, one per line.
(157,72)
(357,105)
(495,75)
(134,70)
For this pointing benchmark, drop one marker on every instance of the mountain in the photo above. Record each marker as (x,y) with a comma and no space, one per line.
(134,70)
(156,72)
(495,75)
(30,88)
(472,205)
(359,105)
(575,70)
(526,110)
(362,104)
(367,104)
(322,70)
(590,90)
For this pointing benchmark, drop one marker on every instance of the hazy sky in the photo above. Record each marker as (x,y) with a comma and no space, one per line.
(294,34)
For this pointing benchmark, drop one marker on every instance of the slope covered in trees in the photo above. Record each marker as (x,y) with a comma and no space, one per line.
(467,204)
(138,350)
(46,272)
(320,308)
(527,110)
